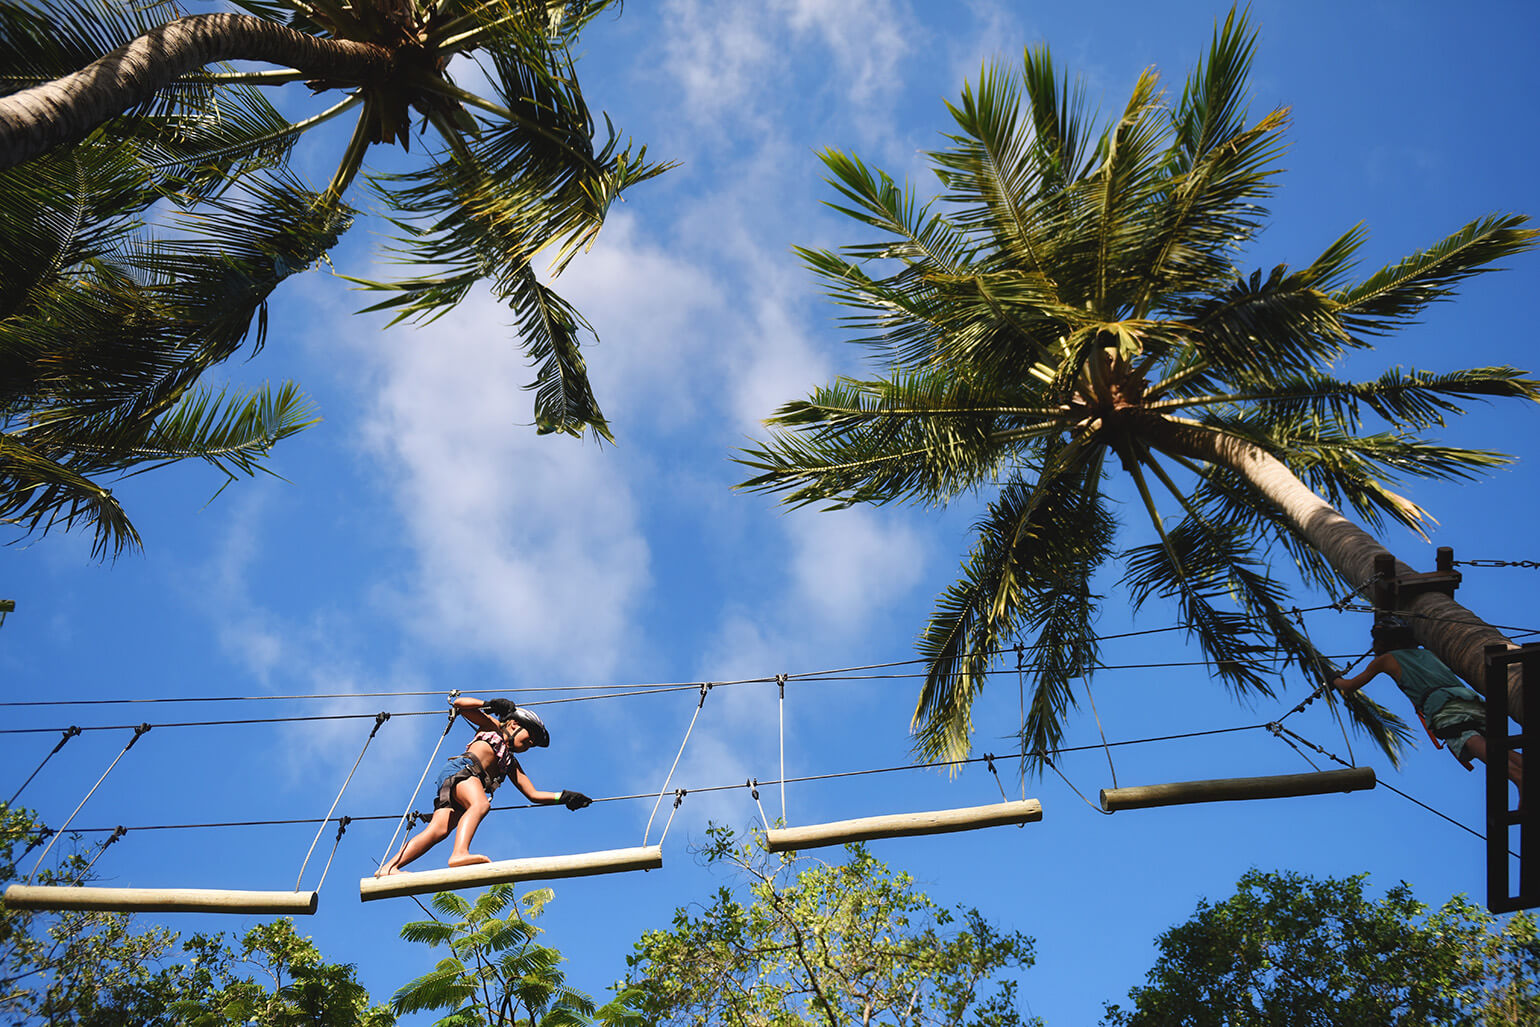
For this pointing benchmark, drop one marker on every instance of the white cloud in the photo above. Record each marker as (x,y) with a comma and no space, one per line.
(733,62)
(867,41)
(527,547)
(850,565)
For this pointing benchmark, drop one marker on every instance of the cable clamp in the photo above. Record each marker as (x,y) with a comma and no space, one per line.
(752,784)
(379,719)
(705,686)
(679,794)
(117,833)
(780,682)
(342,825)
(1275,727)
(138,732)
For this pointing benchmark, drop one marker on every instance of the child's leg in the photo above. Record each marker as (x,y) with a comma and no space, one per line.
(435,831)
(1477,747)
(472,798)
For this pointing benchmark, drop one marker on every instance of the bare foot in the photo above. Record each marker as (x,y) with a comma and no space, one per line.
(469,859)
(386,871)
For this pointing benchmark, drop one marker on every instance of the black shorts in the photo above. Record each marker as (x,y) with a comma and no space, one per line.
(459,769)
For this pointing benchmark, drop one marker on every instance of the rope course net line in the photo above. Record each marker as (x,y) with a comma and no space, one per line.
(607,691)
(756,783)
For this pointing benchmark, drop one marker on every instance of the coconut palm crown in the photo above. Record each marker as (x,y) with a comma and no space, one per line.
(148,209)
(1069,309)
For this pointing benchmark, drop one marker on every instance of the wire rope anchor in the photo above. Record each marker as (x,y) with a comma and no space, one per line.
(752,784)
(679,794)
(65,736)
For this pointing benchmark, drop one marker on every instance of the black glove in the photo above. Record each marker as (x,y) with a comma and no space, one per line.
(502,709)
(573,800)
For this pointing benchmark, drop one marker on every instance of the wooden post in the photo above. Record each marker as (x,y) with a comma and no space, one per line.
(159,900)
(1227,789)
(903,824)
(539,868)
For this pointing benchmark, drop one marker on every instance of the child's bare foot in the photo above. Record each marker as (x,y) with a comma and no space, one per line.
(469,859)
(387,870)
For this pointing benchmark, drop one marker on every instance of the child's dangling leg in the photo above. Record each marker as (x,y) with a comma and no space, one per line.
(472,800)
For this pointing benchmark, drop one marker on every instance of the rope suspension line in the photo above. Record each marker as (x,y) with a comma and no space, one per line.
(138,733)
(379,719)
(704,689)
(411,803)
(607,691)
(780,682)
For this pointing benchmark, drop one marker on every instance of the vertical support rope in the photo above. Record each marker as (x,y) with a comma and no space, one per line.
(342,825)
(379,719)
(1021,697)
(752,784)
(704,688)
(138,732)
(780,681)
(989,761)
(413,800)
(117,833)
(69,732)
(679,794)
(1324,672)
(1099,730)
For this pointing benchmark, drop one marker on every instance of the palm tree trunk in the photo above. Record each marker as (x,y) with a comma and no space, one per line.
(1448,630)
(67,109)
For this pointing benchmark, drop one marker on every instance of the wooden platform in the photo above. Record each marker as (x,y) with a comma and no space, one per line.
(903,824)
(539,868)
(1233,789)
(160,900)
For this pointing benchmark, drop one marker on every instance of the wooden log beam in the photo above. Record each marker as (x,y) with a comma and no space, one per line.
(539,868)
(160,900)
(1229,789)
(903,824)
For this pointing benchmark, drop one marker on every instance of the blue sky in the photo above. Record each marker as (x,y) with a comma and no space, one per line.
(426,539)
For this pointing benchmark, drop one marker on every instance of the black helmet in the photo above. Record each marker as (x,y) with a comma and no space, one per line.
(532,723)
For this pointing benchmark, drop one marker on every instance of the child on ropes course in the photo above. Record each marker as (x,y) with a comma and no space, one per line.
(1449,709)
(465,787)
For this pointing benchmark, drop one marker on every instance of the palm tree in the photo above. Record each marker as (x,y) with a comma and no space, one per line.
(496,971)
(105,327)
(1069,308)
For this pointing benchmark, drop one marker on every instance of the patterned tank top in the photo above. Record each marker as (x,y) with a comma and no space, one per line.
(504,763)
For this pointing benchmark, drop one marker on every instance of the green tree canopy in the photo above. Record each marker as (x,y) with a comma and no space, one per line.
(97,969)
(1070,309)
(1291,949)
(496,971)
(148,212)
(812,943)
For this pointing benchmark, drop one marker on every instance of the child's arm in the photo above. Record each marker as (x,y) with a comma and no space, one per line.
(469,707)
(1384,663)
(567,797)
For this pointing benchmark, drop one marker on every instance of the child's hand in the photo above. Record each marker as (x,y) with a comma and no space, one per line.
(502,709)
(573,800)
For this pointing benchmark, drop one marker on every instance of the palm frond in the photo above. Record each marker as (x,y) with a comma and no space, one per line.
(1035,548)
(1414,399)
(37,494)
(918,437)
(1392,297)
